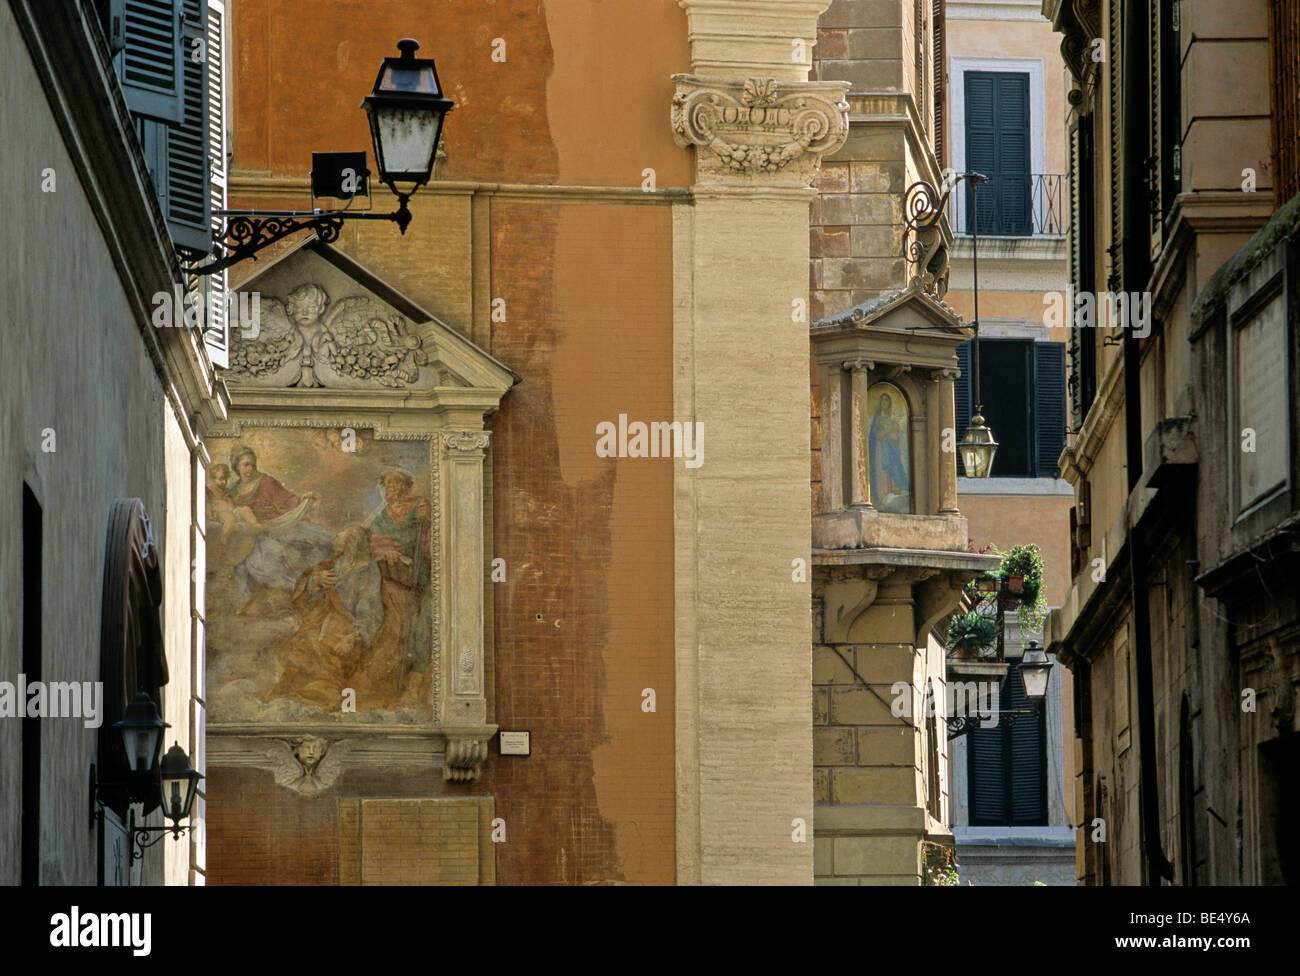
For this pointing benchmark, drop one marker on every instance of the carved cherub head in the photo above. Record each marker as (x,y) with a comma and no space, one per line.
(306,304)
(309,751)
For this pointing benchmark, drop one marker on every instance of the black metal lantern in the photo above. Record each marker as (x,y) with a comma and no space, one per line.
(141,730)
(406,112)
(1035,668)
(180,781)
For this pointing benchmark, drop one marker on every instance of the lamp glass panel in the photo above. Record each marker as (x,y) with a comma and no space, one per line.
(406,140)
(409,80)
(141,744)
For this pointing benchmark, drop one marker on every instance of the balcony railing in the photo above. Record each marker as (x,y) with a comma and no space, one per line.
(1011,206)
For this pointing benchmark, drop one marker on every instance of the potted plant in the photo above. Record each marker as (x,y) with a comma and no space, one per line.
(1022,571)
(971,631)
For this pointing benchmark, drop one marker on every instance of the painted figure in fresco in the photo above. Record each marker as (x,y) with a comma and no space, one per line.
(887,444)
(340,609)
(395,672)
(284,542)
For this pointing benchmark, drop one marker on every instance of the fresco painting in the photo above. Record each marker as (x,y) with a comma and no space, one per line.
(887,447)
(319,570)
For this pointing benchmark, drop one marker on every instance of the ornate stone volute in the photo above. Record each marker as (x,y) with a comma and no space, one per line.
(759,127)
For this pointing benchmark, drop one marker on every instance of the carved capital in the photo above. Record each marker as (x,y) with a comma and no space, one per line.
(857,365)
(760,127)
(939,375)
(465,441)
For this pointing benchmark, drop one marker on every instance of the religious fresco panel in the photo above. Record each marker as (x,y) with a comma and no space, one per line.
(321,603)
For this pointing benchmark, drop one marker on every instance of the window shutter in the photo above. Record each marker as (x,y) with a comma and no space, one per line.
(940,88)
(146,34)
(1014,214)
(1026,739)
(987,775)
(186,199)
(216,332)
(997,145)
(1049,406)
(961,390)
(1073,178)
(1116,142)
(980,139)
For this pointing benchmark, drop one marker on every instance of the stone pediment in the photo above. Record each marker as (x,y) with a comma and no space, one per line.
(316,319)
(909,309)
(909,327)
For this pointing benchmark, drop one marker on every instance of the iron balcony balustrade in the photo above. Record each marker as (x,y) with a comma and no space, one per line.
(1011,206)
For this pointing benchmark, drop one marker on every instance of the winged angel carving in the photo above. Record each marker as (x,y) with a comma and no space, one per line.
(306,764)
(305,341)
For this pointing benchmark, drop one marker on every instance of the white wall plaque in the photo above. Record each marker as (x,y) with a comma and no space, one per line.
(515,744)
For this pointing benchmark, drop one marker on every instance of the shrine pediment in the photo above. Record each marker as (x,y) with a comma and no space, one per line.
(909,327)
(316,319)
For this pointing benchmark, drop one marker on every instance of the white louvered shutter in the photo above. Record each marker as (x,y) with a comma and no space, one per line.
(216,333)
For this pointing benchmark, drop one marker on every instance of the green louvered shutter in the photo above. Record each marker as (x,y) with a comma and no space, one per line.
(1049,407)
(961,390)
(186,201)
(997,145)
(987,776)
(147,37)
(1026,741)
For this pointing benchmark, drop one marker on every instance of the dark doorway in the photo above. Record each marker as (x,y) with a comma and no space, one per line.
(31,727)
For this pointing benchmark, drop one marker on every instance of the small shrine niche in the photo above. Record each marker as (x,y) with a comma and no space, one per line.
(888,440)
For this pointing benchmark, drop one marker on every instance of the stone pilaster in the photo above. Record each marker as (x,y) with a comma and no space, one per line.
(744,731)
(860,459)
(942,391)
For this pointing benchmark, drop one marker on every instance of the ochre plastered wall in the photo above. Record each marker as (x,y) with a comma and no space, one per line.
(583,623)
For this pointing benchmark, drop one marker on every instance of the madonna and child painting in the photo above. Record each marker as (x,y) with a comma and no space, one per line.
(318,578)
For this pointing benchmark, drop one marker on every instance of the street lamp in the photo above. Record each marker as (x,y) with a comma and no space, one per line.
(141,729)
(180,781)
(977,444)
(1035,668)
(406,110)
(174,781)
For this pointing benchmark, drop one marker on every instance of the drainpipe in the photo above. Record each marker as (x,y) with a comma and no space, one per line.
(1136,271)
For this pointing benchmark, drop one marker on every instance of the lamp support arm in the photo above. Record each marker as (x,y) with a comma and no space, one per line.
(249,231)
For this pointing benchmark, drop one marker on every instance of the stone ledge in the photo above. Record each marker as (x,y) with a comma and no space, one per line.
(855,528)
(921,558)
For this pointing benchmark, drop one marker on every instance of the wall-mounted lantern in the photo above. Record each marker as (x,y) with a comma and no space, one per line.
(1035,669)
(406,110)
(173,782)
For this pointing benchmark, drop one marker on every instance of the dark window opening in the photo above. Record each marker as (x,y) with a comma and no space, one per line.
(1279,801)
(1022,384)
(31,727)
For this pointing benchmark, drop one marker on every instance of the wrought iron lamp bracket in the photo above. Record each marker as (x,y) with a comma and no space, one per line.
(249,231)
(959,725)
